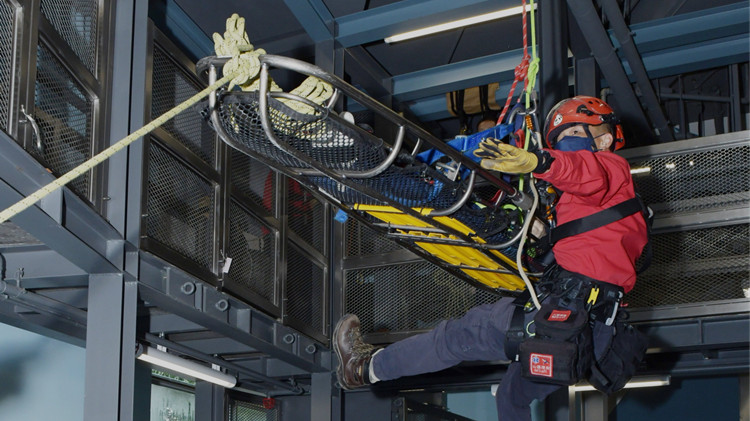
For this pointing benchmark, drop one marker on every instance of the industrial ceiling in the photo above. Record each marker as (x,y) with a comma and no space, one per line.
(672,37)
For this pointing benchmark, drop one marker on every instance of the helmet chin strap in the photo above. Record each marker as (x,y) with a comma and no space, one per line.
(592,137)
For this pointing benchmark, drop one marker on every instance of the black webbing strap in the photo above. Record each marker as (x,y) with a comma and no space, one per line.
(599,219)
(516,333)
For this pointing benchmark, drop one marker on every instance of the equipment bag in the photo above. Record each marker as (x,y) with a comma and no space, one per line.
(561,350)
(619,362)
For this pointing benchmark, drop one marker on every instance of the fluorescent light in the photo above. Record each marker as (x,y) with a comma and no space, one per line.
(457,24)
(642,170)
(635,382)
(185,367)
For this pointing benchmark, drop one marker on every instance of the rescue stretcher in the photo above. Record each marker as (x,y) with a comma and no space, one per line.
(456,214)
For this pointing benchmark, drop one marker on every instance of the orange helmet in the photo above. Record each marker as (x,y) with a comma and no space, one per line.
(581,110)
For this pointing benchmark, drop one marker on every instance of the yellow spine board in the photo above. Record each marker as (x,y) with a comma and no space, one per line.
(452,254)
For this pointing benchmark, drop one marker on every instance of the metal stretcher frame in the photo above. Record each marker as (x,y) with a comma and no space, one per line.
(426,229)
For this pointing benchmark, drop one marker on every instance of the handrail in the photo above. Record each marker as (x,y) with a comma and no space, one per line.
(456,206)
(265,121)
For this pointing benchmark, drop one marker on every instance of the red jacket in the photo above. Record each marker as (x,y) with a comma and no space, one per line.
(591,182)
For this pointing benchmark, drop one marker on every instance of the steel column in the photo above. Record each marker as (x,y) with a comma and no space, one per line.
(594,406)
(553,52)
(110,350)
(587,76)
(625,37)
(321,397)
(628,107)
(210,401)
(138,80)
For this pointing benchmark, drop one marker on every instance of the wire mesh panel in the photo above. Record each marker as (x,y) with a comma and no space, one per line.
(251,411)
(170,87)
(305,215)
(695,266)
(76,22)
(305,290)
(327,140)
(7,29)
(180,207)
(696,181)
(64,112)
(363,241)
(414,296)
(252,247)
(254,179)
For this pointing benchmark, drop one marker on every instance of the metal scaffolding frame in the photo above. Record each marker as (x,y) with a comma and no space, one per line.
(85,277)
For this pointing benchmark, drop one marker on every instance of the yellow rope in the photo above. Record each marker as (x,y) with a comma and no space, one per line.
(107,153)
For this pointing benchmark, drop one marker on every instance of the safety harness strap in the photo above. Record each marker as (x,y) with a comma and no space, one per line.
(516,333)
(596,220)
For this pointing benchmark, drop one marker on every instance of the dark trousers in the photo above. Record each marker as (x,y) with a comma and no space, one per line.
(477,336)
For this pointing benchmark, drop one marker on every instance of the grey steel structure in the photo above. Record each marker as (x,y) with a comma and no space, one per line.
(134,251)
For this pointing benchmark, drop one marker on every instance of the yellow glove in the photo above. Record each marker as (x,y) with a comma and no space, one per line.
(499,156)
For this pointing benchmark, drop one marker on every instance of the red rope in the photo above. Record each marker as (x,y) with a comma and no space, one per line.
(521,70)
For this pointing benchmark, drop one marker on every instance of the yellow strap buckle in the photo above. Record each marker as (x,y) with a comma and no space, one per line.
(593,295)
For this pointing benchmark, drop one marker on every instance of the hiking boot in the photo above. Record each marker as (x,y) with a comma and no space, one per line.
(354,355)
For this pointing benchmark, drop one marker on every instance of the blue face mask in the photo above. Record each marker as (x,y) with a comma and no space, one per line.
(575,143)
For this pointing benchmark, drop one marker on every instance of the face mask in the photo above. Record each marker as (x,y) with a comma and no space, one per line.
(575,143)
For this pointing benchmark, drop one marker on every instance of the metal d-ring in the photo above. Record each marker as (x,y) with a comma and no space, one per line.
(27,118)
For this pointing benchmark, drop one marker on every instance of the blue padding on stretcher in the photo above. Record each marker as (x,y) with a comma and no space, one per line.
(466,144)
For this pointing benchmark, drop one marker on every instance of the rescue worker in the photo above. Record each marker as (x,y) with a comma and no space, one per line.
(581,133)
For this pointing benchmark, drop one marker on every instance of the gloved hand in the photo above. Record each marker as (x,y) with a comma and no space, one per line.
(499,156)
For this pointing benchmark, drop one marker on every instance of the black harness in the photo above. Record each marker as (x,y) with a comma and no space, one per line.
(606,217)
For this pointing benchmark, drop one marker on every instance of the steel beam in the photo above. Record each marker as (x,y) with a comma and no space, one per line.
(717,332)
(314,17)
(710,44)
(691,28)
(455,76)
(55,236)
(39,267)
(376,80)
(227,316)
(633,56)
(171,19)
(692,57)
(42,323)
(62,220)
(406,15)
